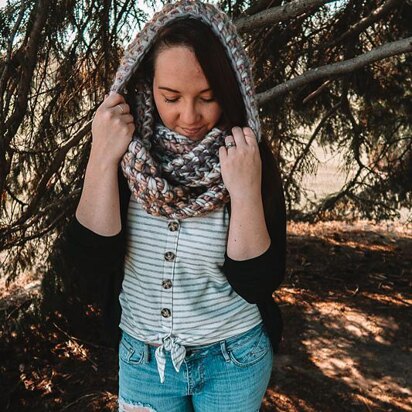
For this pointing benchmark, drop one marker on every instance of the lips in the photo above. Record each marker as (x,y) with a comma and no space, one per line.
(192,132)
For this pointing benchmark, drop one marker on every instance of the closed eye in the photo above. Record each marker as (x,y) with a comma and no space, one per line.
(166,100)
(170,100)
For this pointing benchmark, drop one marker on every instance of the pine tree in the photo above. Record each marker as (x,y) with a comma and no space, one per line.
(339,70)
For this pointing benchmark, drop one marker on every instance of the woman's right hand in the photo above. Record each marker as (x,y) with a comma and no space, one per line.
(112,129)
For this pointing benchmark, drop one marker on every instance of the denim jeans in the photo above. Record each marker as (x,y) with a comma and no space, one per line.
(225,376)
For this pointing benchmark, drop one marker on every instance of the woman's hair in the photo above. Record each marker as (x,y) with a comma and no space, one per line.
(211,55)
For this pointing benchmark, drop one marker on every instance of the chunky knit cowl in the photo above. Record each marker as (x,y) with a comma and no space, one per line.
(169,174)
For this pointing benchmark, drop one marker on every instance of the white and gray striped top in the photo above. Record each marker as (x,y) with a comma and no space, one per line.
(174,291)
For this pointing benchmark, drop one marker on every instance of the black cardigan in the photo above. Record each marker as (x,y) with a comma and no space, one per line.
(97,262)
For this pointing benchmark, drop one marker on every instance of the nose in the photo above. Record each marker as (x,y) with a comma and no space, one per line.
(189,114)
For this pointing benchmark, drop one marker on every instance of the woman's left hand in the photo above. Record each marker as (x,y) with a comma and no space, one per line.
(241,165)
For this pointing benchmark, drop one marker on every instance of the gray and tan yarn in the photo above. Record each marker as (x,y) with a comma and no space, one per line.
(169,174)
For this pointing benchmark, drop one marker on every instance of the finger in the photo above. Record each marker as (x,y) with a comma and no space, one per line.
(237,133)
(128,118)
(114,99)
(131,127)
(231,148)
(229,139)
(122,108)
(104,100)
(222,154)
(250,136)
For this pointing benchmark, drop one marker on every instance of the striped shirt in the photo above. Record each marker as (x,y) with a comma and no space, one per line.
(174,291)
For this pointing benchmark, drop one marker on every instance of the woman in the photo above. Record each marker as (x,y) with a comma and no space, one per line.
(194,218)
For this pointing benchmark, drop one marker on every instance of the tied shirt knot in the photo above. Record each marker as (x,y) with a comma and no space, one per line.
(177,354)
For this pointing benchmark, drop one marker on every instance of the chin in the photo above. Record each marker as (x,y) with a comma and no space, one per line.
(193,136)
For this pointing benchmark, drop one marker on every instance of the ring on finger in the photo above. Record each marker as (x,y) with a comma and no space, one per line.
(121,108)
(230,144)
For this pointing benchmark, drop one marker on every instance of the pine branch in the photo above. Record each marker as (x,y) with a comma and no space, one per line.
(339,68)
(29,52)
(364,23)
(276,14)
(8,236)
(53,168)
(305,151)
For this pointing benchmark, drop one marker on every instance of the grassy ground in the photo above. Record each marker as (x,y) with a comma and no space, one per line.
(346,304)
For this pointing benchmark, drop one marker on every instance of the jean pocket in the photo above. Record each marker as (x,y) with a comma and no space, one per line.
(249,350)
(131,350)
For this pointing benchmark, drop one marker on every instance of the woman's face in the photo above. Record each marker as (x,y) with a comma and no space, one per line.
(182,94)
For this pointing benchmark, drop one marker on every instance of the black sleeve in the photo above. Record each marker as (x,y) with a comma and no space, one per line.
(92,258)
(256,279)
(90,249)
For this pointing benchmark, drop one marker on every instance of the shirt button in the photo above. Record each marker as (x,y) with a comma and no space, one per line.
(166,313)
(169,256)
(167,283)
(173,225)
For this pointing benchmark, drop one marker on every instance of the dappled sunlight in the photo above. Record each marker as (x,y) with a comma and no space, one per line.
(344,303)
(363,245)
(346,345)
(396,299)
(37,380)
(71,348)
(352,322)
(286,403)
(25,286)
(387,228)
(291,296)
(362,236)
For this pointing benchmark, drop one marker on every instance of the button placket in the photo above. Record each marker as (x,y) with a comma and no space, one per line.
(170,260)
(167,283)
(169,256)
(173,225)
(166,312)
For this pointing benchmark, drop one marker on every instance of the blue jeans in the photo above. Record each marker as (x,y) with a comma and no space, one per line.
(229,375)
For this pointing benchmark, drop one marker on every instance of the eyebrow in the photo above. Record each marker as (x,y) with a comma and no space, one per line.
(177,91)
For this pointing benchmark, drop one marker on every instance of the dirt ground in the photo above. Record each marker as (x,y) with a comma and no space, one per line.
(346,304)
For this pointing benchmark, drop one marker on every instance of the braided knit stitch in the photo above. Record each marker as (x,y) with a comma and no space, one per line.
(173,180)
(167,173)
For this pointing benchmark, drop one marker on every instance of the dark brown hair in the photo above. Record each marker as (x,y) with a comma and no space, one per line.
(212,58)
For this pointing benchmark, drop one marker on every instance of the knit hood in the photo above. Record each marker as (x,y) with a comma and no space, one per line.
(221,26)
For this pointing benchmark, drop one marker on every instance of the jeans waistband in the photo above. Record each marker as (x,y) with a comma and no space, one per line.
(196,348)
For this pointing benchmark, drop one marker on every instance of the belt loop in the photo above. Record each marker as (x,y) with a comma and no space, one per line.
(146,355)
(225,353)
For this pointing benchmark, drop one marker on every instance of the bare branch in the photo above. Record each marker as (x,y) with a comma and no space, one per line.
(8,56)
(7,232)
(319,90)
(258,6)
(318,128)
(277,14)
(365,22)
(54,166)
(9,128)
(339,68)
